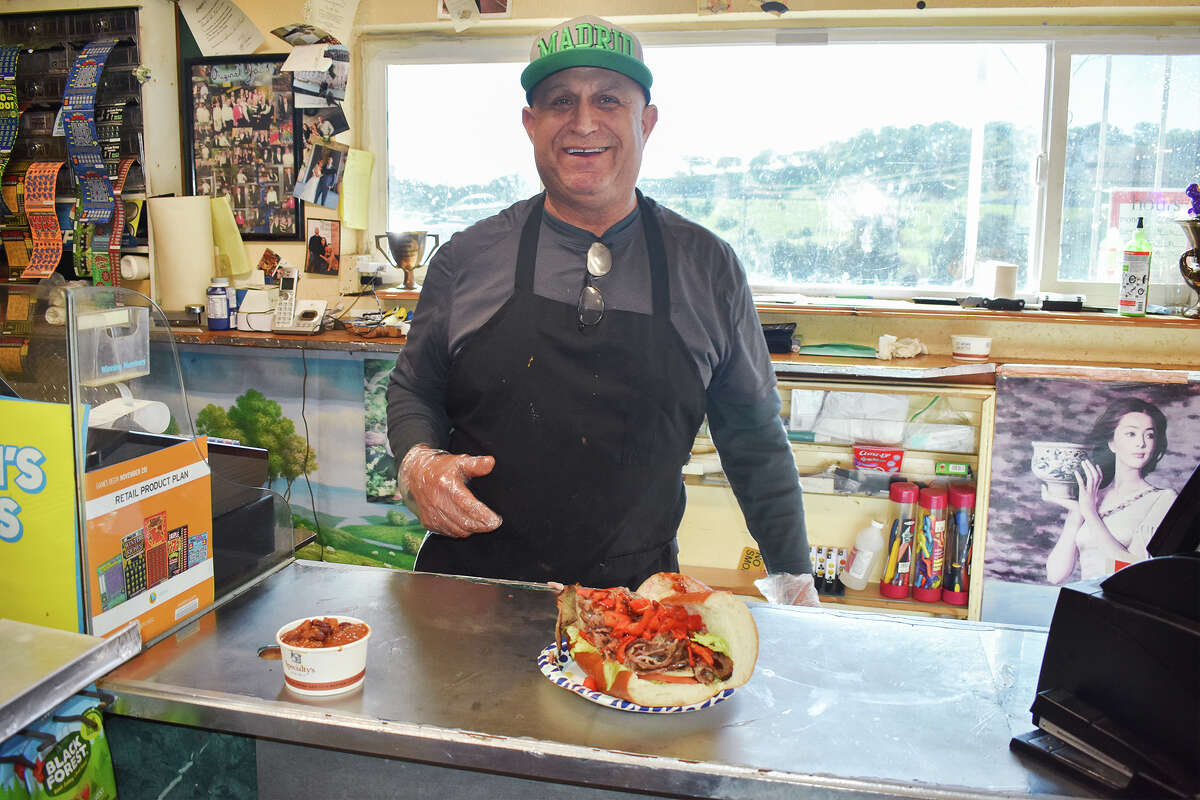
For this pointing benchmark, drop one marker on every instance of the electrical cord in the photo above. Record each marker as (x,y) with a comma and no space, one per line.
(304,419)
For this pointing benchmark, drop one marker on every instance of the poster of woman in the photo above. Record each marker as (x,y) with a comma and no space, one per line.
(1083,471)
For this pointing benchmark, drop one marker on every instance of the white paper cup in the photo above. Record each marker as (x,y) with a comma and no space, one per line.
(970,348)
(323,671)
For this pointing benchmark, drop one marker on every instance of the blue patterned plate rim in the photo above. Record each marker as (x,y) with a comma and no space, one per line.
(563,671)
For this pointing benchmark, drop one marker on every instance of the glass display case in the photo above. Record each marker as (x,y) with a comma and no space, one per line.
(114,509)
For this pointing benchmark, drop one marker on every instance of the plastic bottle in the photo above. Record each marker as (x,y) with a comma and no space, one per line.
(929,556)
(896,580)
(959,534)
(1135,274)
(865,556)
(220,304)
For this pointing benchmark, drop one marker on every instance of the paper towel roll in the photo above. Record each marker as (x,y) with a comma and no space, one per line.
(135,268)
(183,249)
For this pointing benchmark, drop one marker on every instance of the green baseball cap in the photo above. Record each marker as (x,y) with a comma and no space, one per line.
(586,42)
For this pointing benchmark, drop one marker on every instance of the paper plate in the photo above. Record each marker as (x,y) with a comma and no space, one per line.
(563,671)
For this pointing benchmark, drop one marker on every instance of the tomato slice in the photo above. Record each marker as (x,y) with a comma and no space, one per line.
(664,678)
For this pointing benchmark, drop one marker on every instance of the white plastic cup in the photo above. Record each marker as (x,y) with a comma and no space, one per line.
(970,348)
(323,671)
(1006,281)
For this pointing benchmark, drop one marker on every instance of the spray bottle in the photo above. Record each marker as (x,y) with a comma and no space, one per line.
(1135,274)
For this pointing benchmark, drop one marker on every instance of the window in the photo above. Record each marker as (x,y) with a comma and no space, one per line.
(1133,146)
(848,162)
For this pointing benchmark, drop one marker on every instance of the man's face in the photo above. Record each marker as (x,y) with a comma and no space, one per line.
(588,127)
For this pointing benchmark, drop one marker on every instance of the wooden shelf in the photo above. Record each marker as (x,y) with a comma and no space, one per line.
(903,308)
(870,598)
(741,582)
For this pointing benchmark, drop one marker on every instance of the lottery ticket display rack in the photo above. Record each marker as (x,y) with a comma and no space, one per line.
(112,508)
(70,142)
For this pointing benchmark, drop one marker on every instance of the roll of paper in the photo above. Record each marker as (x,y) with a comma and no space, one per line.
(183,249)
(135,268)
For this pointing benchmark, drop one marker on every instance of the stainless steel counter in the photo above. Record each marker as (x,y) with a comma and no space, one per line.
(841,704)
(41,667)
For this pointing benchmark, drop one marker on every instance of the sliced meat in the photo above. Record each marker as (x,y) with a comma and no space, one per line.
(721,669)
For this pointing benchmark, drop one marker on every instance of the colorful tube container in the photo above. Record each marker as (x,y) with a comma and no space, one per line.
(929,557)
(960,531)
(896,580)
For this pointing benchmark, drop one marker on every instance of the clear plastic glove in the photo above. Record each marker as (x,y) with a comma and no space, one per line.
(789,590)
(434,485)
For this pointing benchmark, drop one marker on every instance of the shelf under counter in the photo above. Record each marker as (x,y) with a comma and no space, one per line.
(921,368)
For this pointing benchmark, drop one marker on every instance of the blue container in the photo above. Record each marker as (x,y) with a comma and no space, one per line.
(221,304)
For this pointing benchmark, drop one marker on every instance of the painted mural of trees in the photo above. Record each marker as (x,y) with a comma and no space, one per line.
(257,421)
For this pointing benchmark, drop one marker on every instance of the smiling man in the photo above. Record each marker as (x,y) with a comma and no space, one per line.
(565,352)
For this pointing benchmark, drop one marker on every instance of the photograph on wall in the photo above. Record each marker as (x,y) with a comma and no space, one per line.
(320,179)
(327,87)
(241,130)
(320,125)
(1083,471)
(324,244)
(487,8)
(302,34)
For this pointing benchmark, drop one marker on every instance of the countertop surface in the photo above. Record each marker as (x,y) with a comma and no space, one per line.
(841,702)
(40,667)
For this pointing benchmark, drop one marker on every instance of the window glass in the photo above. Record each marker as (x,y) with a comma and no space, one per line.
(1133,146)
(457,151)
(842,166)
(853,166)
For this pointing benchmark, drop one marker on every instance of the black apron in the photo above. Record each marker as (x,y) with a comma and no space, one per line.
(590,429)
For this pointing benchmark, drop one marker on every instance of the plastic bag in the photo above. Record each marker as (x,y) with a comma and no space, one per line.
(62,755)
(941,428)
(868,417)
(790,590)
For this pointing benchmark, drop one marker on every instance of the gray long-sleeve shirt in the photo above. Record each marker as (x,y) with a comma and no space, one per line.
(712,308)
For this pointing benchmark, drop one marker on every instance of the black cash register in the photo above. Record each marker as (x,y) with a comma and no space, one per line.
(1118,696)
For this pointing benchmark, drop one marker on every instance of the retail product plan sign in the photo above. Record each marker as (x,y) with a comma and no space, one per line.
(39,577)
(149,542)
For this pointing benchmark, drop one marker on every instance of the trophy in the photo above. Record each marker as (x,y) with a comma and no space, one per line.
(406,251)
(1189,262)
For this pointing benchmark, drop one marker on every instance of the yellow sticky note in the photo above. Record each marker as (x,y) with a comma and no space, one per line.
(231,253)
(356,184)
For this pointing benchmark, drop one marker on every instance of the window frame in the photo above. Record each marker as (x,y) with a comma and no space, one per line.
(1155,41)
(377,51)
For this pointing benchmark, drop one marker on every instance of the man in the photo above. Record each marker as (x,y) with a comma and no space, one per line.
(316,252)
(565,351)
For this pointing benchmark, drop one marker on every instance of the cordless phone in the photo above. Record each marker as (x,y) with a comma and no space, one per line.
(285,306)
(291,314)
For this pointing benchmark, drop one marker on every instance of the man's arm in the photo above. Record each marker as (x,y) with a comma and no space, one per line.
(431,482)
(757,460)
(416,412)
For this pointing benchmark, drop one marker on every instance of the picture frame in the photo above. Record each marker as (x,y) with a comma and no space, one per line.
(324,243)
(240,133)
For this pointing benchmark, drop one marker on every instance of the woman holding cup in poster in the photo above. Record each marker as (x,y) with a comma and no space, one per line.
(1117,510)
